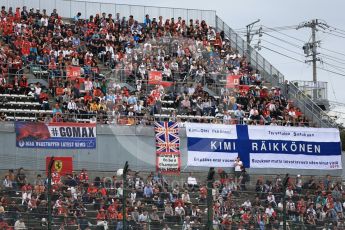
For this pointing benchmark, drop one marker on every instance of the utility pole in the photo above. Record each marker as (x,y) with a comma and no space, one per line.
(210,179)
(49,192)
(250,36)
(315,25)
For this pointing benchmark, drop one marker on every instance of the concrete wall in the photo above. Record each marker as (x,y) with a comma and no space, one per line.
(115,146)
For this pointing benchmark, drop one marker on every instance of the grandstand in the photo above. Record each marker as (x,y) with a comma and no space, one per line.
(121,71)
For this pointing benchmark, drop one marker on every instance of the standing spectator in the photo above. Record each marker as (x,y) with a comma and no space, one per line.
(244,177)
(21,177)
(238,168)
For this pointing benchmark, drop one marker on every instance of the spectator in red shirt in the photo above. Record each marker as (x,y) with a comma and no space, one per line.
(102,219)
(83,176)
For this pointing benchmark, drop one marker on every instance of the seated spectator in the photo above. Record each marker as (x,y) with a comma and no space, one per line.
(144,217)
(148,191)
(191,181)
(7,183)
(289,192)
(19,224)
(102,219)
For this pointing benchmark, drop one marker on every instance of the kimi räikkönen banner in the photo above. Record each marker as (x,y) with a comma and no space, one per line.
(263,146)
(60,135)
(168,160)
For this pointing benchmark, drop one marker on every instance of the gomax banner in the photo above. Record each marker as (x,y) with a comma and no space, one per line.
(60,135)
(61,165)
(263,146)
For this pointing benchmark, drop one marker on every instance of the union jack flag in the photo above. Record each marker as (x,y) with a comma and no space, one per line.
(167,137)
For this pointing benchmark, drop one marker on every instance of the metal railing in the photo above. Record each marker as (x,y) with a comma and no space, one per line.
(269,72)
(109,118)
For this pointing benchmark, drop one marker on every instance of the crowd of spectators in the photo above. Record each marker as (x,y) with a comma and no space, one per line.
(156,202)
(190,55)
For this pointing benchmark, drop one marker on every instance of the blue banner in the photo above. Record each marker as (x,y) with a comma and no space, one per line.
(58,135)
(263,146)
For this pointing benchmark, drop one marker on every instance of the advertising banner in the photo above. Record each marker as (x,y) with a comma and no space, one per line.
(168,160)
(218,145)
(60,135)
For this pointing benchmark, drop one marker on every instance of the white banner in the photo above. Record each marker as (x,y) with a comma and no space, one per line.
(267,160)
(293,133)
(208,159)
(205,130)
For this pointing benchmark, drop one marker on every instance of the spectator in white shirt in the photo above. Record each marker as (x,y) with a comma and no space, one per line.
(185,197)
(271,199)
(247,204)
(38,90)
(191,181)
(88,85)
(238,164)
(289,192)
(144,217)
(7,183)
(269,210)
(179,210)
(19,224)
(72,106)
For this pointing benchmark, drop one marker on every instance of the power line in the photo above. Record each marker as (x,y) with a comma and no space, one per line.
(283,47)
(283,54)
(282,40)
(335,35)
(297,39)
(335,66)
(321,68)
(331,58)
(337,29)
(243,30)
(332,51)
(332,87)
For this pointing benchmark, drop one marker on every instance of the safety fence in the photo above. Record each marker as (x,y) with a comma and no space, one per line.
(36,218)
